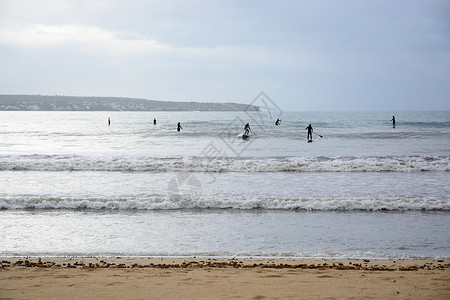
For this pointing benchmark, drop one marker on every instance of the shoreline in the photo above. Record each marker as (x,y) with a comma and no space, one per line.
(222,278)
(376,264)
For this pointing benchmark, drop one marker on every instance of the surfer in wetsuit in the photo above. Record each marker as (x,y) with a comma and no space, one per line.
(277,122)
(154,121)
(179,127)
(109,121)
(310,131)
(393,121)
(247,129)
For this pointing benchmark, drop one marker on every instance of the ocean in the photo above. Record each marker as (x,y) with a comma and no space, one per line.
(72,185)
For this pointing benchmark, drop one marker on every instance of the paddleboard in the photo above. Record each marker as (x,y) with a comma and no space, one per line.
(310,141)
(245,136)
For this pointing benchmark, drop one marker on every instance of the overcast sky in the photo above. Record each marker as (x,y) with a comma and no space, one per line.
(305,55)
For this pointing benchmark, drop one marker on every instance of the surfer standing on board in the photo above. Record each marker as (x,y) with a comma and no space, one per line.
(310,131)
(179,127)
(247,129)
(393,121)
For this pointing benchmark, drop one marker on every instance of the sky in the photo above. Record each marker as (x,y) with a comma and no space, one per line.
(306,55)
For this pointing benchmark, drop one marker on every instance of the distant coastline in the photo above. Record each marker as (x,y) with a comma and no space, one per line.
(75,103)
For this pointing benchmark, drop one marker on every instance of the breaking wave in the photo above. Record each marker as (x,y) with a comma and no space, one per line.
(205,164)
(187,201)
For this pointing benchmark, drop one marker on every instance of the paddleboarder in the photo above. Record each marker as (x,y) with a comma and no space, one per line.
(247,129)
(310,131)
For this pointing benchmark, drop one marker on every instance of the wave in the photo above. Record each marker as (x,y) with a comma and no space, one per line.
(192,201)
(209,164)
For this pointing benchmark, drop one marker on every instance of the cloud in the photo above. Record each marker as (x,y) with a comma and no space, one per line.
(90,39)
(331,54)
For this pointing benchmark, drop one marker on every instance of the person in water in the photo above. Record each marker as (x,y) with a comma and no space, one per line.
(179,127)
(277,122)
(247,129)
(393,121)
(154,121)
(310,131)
(109,121)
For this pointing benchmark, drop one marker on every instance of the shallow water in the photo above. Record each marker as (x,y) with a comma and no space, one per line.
(228,232)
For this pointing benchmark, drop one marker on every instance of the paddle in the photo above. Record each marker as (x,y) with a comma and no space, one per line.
(318,134)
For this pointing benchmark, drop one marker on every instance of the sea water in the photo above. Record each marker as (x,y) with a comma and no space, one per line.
(72,185)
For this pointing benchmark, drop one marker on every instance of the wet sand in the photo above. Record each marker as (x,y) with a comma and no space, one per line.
(221,278)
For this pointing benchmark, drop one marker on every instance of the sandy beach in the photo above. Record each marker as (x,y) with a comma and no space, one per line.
(222,278)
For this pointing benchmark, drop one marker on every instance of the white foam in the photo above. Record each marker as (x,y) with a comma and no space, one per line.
(182,202)
(297,164)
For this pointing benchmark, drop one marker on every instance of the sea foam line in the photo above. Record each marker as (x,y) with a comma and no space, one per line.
(205,164)
(187,202)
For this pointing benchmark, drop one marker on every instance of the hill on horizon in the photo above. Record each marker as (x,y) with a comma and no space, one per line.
(86,103)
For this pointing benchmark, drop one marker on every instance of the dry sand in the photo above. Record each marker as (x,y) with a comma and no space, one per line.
(222,278)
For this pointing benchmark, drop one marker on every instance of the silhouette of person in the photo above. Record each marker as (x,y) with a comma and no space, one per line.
(109,121)
(393,121)
(277,122)
(310,131)
(154,121)
(247,129)
(179,127)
